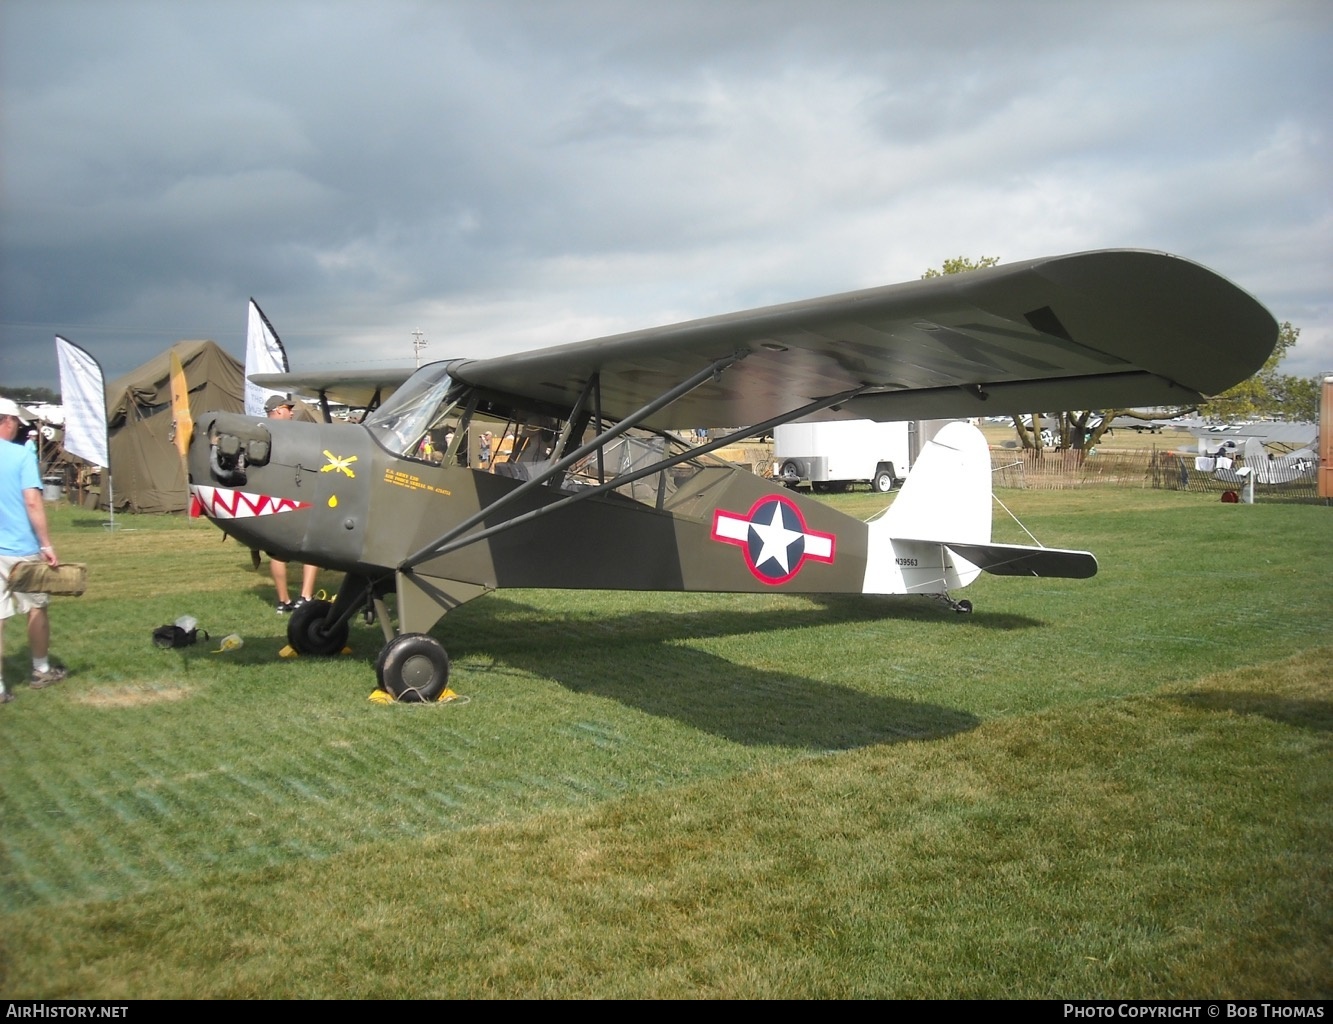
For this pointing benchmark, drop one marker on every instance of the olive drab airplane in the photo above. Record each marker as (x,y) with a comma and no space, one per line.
(561,467)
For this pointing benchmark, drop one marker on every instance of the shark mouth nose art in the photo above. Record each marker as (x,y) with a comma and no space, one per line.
(224,503)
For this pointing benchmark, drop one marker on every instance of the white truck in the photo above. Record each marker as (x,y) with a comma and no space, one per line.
(840,452)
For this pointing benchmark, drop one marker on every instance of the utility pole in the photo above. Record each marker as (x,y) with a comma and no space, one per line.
(418,343)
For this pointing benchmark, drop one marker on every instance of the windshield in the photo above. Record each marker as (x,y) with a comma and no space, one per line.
(425,402)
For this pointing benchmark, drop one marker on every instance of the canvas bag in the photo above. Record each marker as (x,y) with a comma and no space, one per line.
(68,579)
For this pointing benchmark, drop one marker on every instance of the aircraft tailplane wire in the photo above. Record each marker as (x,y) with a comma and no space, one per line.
(1015,518)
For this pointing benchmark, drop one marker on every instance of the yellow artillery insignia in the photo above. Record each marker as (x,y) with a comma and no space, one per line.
(338,465)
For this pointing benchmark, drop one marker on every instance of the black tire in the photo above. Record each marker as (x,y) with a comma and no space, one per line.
(789,474)
(964,607)
(308,632)
(413,668)
(882,483)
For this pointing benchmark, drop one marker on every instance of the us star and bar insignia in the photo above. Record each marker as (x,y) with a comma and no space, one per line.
(774,539)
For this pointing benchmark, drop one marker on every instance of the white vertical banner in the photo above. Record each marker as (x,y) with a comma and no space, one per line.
(263,354)
(83,395)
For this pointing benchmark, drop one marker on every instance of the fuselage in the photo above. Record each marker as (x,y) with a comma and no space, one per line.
(424,499)
(331,495)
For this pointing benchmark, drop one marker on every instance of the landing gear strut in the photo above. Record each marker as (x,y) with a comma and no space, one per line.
(313,629)
(411,667)
(963,607)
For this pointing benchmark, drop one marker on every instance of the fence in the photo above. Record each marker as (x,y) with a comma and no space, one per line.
(1142,468)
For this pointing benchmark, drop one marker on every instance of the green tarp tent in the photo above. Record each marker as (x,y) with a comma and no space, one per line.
(146,470)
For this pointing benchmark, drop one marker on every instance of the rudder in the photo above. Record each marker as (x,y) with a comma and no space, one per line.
(947,496)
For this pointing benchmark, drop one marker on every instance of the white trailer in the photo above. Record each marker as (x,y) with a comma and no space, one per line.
(840,452)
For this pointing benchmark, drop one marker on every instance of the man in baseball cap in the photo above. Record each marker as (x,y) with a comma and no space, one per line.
(8,407)
(23,538)
(277,402)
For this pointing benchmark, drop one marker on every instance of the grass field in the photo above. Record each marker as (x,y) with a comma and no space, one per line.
(1118,787)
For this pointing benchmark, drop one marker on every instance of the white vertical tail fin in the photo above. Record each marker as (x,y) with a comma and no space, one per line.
(946,498)
(936,535)
(947,494)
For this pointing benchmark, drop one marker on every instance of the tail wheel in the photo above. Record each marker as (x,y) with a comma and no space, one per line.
(963,607)
(413,668)
(309,632)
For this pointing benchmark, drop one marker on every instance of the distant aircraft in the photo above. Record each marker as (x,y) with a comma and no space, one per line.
(1270,470)
(588,487)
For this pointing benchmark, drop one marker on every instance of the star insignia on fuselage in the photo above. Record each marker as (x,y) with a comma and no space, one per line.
(774,538)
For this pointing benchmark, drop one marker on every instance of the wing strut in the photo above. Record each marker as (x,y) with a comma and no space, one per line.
(596,383)
(453,541)
(560,465)
(576,414)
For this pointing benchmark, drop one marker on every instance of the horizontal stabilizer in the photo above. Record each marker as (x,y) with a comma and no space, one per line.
(1018,560)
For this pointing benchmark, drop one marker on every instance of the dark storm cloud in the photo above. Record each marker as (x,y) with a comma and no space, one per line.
(508,174)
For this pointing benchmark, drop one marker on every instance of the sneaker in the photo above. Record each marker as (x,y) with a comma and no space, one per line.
(6,697)
(50,677)
(286,607)
(300,601)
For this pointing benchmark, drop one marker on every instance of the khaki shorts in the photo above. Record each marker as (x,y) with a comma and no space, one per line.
(17,604)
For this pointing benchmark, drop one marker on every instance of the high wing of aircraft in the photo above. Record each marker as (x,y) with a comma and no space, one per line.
(558,468)
(357,389)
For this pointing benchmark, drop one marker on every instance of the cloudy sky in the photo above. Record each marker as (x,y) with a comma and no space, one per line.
(505,175)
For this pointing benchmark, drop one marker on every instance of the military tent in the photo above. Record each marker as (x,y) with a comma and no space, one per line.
(146,470)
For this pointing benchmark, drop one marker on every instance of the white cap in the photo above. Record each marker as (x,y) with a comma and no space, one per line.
(8,407)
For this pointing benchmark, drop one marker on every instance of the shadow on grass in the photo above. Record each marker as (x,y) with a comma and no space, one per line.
(1304,713)
(102,522)
(858,608)
(636,659)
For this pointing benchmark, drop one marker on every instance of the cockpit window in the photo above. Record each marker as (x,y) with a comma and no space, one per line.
(428,399)
(435,419)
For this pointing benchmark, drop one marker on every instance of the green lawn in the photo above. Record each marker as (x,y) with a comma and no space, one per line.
(1111,787)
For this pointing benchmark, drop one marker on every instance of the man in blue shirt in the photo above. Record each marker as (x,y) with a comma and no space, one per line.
(23,537)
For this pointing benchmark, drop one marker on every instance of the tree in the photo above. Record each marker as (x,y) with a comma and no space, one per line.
(1300,400)
(959,264)
(30,396)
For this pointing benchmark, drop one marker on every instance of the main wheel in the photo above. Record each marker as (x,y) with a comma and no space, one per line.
(883,480)
(413,668)
(308,629)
